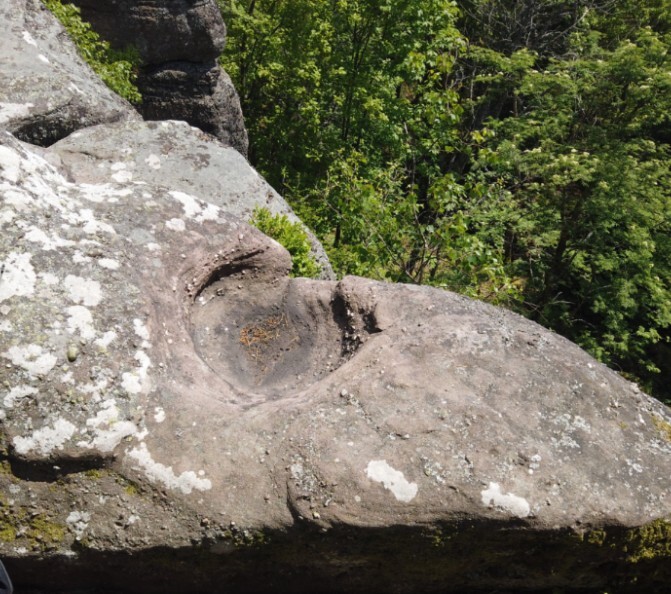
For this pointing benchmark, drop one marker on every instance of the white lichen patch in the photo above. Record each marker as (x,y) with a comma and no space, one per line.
(534,463)
(108,263)
(102,193)
(514,505)
(175,225)
(78,522)
(29,39)
(83,290)
(634,466)
(196,209)
(392,480)
(96,390)
(47,439)
(137,381)
(209,213)
(85,219)
(156,472)
(572,423)
(154,161)
(11,171)
(17,393)
(80,321)
(141,330)
(79,258)
(6,216)
(565,441)
(52,243)
(159,414)
(18,278)
(9,111)
(131,382)
(189,203)
(32,358)
(108,428)
(106,339)
(48,278)
(121,173)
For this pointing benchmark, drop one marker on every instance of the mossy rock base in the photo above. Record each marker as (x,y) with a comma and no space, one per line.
(463,557)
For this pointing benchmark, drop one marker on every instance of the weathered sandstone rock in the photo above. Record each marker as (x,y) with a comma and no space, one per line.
(179,42)
(46,89)
(175,155)
(201,94)
(179,415)
(163,31)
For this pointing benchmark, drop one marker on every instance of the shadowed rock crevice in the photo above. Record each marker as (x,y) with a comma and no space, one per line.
(347,559)
(48,472)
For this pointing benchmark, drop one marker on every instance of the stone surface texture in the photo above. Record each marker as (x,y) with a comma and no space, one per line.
(46,89)
(176,155)
(177,414)
(179,42)
(177,410)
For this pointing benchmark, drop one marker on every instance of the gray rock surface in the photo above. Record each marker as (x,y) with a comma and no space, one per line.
(46,89)
(179,42)
(165,31)
(176,155)
(179,412)
(201,94)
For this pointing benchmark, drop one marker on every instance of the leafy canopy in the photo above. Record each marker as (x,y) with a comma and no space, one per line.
(517,152)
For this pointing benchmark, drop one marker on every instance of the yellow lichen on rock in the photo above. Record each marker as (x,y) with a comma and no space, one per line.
(651,541)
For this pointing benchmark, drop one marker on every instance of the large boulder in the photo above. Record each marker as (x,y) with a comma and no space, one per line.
(165,31)
(179,415)
(179,42)
(46,90)
(201,94)
(176,155)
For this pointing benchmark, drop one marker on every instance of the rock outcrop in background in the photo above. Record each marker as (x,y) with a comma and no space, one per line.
(179,42)
(179,415)
(46,89)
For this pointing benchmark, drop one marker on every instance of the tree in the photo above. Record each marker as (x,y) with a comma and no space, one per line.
(586,159)
(514,151)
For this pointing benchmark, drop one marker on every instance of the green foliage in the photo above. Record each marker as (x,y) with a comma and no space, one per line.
(351,112)
(652,541)
(588,164)
(515,152)
(292,237)
(380,233)
(317,78)
(117,69)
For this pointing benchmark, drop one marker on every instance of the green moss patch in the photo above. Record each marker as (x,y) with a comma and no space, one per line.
(663,426)
(652,541)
